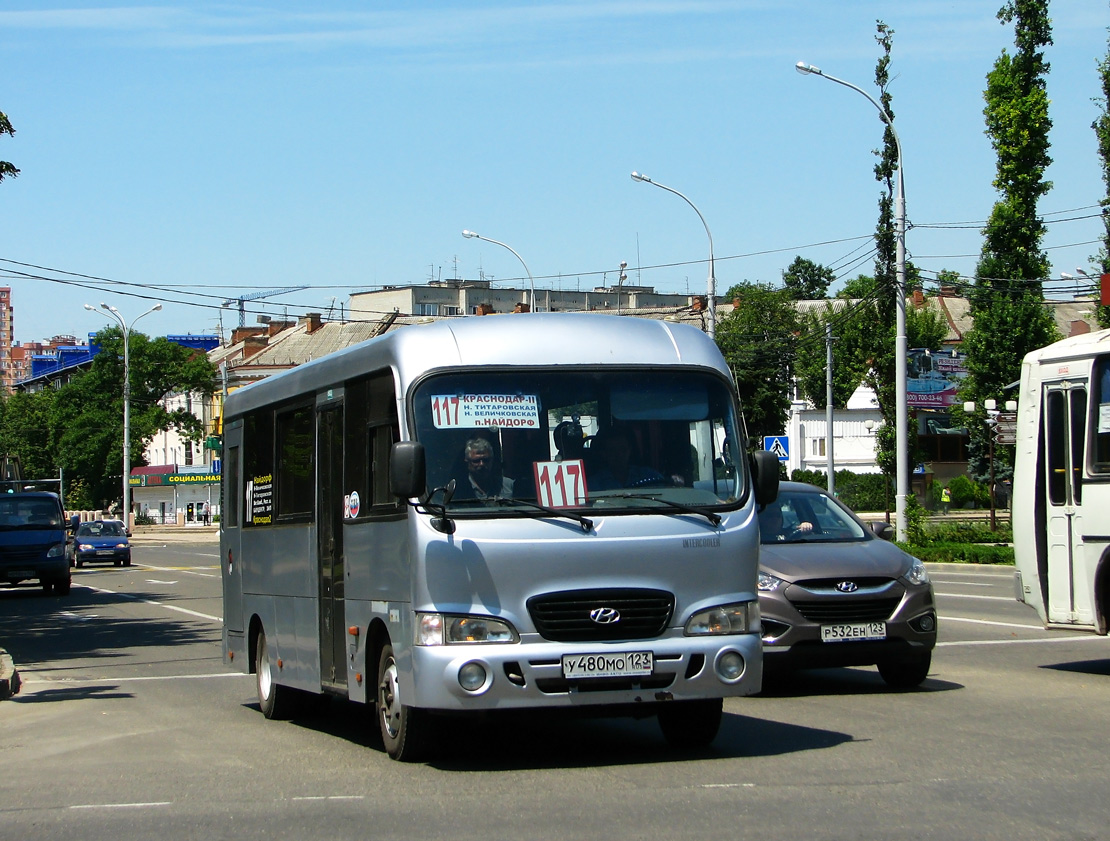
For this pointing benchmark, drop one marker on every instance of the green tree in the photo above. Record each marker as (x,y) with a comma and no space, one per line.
(26,430)
(861,286)
(1102,134)
(1006,301)
(89,410)
(807,281)
(758,340)
(7,170)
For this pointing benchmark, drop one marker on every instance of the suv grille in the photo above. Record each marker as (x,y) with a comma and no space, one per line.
(565,616)
(847,610)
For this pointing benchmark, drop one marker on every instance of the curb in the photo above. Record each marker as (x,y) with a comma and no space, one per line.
(9,677)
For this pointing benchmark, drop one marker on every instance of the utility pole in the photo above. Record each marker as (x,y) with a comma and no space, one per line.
(830,463)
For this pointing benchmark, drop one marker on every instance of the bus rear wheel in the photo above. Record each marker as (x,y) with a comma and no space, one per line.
(691,724)
(275,700)
(404,729)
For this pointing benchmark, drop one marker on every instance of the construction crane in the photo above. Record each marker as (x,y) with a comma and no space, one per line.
(254,296)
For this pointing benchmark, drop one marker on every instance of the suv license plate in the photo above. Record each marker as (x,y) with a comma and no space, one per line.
(849,631)
(619,664)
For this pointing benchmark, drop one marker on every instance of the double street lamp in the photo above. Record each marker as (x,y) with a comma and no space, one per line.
(711,291)
(472,235)
(900,397)
(114,313)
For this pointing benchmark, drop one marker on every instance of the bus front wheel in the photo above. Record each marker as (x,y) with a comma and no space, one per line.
(404,729)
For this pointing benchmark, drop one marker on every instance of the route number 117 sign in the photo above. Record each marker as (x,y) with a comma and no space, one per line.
(560,484)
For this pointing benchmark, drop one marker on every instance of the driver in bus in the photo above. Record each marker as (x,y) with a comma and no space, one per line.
(483,479)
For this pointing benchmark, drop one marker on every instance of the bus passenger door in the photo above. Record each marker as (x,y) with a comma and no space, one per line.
(1065,421)
(231,504)
(329,548)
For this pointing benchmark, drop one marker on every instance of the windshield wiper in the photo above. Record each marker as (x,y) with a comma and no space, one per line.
(712,516)
(586,523)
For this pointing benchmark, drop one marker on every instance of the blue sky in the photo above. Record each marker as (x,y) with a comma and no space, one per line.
(193,152)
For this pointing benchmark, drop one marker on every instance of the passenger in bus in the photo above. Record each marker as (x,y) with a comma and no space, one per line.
(483,478)
(616,469)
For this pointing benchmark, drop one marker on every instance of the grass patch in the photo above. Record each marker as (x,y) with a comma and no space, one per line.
(962,553)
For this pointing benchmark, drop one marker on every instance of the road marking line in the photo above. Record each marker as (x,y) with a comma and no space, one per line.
(989,622)
(330,797)
(1076,638)
(158,604)
(27,681)
(186,570)
(973,596)
(122,805)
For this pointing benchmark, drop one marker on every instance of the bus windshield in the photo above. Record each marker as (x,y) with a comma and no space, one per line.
(580,439)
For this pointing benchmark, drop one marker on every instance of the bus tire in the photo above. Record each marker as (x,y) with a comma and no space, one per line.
(276,701)
(907,672)
(691,724)
(404,729)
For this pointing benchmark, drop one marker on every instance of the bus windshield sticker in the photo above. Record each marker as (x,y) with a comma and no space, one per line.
(561,484)
(260,500)
(471,411)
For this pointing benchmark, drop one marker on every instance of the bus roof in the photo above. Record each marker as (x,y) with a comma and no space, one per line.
(1073,347)
(503,340)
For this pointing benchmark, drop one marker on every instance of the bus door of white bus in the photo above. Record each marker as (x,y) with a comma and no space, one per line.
(329,542)
(1065,421)
(230,528)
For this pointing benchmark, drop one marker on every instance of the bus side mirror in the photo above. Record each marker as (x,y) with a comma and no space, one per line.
(765,469)
(406,469)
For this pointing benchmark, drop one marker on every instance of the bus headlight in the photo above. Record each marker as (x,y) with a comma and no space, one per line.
(56,551)
(738,618)
(450,629)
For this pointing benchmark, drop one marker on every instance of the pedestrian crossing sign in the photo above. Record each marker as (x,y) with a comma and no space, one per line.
(779,445)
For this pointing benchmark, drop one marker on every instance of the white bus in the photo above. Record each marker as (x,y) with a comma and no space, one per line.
(424,522)
(1061,503)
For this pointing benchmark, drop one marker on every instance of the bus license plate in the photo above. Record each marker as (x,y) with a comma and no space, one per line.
(618,664)
(849,631)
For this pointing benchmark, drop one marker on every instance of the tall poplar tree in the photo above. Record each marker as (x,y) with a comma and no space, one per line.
(7,170)
(1007,300)
(1102,133)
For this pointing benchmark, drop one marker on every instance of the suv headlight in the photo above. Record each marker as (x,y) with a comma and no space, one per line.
(769,583)
(451,629)
(738,618)
(917,575)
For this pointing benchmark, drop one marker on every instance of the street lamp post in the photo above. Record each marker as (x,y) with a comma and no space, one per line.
(114,313)
(900,397)
(472,235)
(711,293)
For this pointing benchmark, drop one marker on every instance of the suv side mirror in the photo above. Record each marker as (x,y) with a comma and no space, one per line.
(406,469)
(765,469)
(883,529)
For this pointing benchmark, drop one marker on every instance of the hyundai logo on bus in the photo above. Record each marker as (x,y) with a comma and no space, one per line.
(605,615)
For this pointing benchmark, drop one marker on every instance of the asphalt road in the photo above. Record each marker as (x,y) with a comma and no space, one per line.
(128,726)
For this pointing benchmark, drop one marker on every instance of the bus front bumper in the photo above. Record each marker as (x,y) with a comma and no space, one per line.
(486,677)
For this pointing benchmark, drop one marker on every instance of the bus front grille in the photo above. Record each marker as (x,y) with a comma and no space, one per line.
(601,615)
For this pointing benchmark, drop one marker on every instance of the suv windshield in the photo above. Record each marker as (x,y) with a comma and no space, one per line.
(582,439)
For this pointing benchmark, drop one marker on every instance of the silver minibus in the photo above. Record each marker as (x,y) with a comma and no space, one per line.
(492,513)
